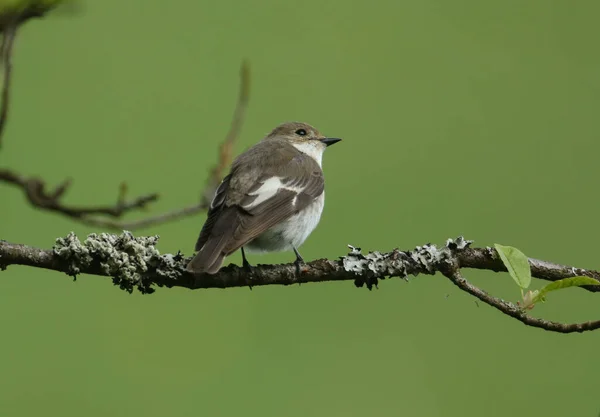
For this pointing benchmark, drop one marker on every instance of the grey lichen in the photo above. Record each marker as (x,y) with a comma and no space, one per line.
(134,262)
(460,243)
(127,259)
(73,252)
(373,266)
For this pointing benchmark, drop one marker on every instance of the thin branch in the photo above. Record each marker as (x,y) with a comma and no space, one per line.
(147,221)
(488,259)
(226,148)
(6,48)
(38,196)
(136,263)
(216,173)
(12,16)
(515,311)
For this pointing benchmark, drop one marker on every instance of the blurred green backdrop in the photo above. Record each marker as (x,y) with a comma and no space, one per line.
(464,117)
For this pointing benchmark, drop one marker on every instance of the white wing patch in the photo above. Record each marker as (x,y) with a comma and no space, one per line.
(268,189)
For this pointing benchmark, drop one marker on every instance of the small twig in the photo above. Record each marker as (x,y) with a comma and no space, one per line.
(12,16)
(488,259)
(226,147)
(216,173)
(514,311)
(6,48)
(136,263)
(148,221)
(38,196)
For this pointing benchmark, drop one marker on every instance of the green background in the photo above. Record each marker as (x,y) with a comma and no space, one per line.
(463,117)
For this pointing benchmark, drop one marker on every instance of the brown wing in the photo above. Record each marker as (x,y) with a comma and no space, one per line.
(298,190)
(214,210)
(220,223)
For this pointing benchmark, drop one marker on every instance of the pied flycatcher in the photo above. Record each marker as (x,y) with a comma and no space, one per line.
(271,200)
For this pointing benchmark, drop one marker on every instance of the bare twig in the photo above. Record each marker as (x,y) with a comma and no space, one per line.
(147,221)
(216,173)
(226,148)
(515,311)
(12,16)
(38,196)
(6,48)
(488,259)
(136,263)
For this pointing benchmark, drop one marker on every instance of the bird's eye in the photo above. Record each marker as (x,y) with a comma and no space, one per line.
(301,132)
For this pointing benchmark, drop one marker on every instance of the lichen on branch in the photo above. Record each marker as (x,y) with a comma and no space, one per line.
(127,259)
(135,262)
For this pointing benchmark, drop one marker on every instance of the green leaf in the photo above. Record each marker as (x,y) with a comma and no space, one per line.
(516,263)
(563,283)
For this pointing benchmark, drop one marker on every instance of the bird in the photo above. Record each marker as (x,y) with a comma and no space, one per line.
(270,201)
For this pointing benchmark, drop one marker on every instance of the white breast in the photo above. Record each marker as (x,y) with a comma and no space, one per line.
(290,233)
(298,227)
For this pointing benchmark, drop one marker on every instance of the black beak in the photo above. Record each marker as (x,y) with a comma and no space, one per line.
(330,141)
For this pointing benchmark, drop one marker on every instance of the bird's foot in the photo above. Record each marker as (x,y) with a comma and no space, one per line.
(299,263)
(246,265)
(249,272)
(248,268)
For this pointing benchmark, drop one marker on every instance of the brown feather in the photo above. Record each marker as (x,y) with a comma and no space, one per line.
(229,226)
(278,209)
(211,254)
(216,206)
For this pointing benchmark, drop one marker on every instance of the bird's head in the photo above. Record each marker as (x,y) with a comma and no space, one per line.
(303,137)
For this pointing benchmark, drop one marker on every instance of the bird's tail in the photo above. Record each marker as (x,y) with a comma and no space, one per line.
(202,263)
(210,256)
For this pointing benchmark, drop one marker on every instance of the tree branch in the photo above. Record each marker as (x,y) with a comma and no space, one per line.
(216,173)
(38,196)
(147,221)
(12,16)
(515,311)
(6,48)
(226,148)
(488,259)
(136,263)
